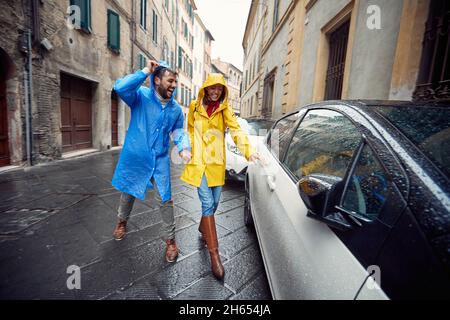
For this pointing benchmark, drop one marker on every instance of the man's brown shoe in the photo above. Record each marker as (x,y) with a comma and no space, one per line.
(120,231)
(171,251)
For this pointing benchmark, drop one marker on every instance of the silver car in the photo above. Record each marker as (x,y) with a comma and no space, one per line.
(352,201)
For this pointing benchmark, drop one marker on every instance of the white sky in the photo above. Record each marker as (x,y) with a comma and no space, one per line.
(226,20)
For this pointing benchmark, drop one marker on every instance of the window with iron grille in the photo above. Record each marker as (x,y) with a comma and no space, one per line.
(267,103)
(336,62)
(433,82)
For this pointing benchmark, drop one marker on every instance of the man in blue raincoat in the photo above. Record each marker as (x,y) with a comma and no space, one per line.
(144,161)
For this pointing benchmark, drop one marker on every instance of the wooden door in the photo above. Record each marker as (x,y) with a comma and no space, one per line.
(76,113)
(114,118)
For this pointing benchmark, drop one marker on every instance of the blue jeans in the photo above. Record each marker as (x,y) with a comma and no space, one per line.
(209,197)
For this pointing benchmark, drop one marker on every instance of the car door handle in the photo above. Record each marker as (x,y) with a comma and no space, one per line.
(271,182)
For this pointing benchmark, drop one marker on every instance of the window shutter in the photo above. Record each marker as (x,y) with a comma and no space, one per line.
(144,14)
(142,61)
(182,95)
(180,57)
(85,11)
(113,31)
(155,27)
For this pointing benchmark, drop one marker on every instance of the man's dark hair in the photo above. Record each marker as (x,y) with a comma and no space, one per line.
(161,71)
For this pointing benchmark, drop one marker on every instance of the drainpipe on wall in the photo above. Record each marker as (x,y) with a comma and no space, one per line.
(32,37)
(28,85)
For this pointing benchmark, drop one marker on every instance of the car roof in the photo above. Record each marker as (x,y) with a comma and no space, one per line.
(365,105)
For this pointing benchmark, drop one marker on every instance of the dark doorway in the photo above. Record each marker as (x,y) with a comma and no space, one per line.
(76,113)
(338,40)
(114,119)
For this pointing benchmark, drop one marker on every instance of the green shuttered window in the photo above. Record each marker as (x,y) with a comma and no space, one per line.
(142,61)
(155,27)
(144,14)
(113,31)
(85,11)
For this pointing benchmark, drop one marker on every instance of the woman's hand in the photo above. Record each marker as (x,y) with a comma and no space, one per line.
(186,156)
(254,157)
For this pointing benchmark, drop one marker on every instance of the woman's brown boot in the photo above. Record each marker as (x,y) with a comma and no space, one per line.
(208,228)
(201,229)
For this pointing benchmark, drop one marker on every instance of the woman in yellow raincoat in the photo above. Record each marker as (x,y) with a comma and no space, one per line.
(208,118)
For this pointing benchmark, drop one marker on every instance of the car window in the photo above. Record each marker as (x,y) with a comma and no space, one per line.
(323,143)
(278,139)
(427,127)
(367,189)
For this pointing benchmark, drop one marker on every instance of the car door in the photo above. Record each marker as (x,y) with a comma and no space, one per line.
(373,203)
(259,190)
(304,258)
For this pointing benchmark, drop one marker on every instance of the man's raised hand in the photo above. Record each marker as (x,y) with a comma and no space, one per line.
(152,65)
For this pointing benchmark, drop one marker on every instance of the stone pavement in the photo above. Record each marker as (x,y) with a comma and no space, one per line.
(62,214)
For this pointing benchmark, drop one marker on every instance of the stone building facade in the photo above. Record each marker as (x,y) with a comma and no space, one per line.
(233,77)
(57,99)
(312,50)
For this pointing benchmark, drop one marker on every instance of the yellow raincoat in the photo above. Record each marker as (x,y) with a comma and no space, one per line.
(207,136)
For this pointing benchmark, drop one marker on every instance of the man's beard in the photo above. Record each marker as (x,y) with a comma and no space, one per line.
(165,93)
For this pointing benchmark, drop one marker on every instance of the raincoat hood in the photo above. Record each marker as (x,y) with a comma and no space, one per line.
(213,78)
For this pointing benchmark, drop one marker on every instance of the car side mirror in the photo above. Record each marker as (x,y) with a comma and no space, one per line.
(319,193)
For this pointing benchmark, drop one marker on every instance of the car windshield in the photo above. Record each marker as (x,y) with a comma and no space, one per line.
(255,127)
(427,127)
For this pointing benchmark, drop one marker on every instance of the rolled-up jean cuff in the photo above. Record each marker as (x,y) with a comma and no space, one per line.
(208,213)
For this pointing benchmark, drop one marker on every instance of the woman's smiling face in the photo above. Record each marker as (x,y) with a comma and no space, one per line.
(214,92)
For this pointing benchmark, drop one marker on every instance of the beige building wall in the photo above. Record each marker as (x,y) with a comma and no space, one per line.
(185,86)
(168,27)
(85,56)
(251,79)
(207,57)
(233,77)
(145,43)
(379,64)
(199,55)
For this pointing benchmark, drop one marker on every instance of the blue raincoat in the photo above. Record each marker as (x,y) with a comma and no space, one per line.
(145,152)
